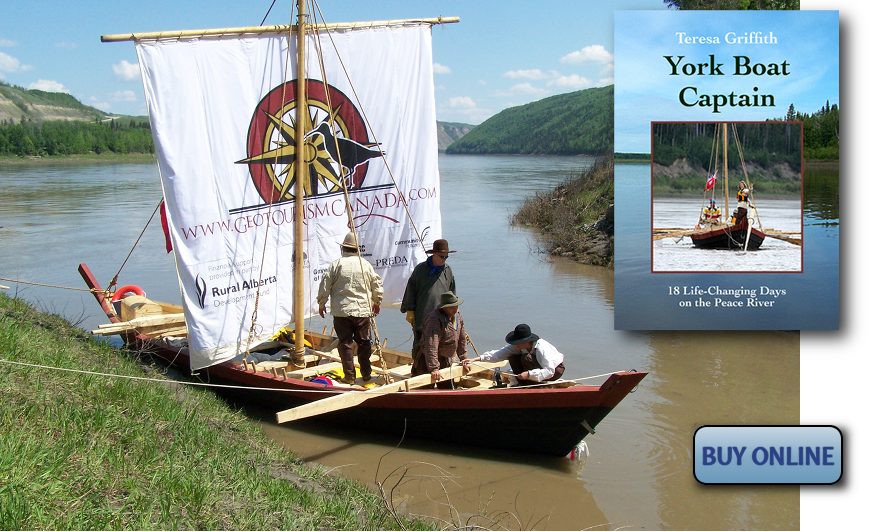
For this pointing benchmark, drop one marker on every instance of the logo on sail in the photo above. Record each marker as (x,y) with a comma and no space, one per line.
(336,145)
(201,292)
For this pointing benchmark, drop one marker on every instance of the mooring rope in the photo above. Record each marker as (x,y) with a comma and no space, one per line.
(18,281)
(253,388)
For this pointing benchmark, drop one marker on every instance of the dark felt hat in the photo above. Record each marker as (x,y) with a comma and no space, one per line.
(448,299)
(440,246)
(521,334)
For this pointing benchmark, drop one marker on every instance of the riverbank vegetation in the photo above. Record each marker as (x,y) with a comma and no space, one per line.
(684,154)
(88,451)
(575,123)
(576,219)
(63,137)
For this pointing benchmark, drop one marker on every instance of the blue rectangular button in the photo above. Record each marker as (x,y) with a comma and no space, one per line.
(767,454)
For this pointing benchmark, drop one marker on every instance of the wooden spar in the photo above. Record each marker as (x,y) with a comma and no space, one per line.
(267,30)
(301,170)
(726,178)
(349,399)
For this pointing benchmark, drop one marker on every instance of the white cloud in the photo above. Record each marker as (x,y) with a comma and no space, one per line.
(124,96)
(526,88)
(574,82)
(7,42)
(606,81)
(11,64)
(48,85)
(526,74)
(94,102)
(589,54)
(68,45)
(608,70)
(461,102)
(440,69)
(126,71)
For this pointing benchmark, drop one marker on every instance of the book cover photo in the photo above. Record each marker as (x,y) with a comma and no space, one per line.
(734,222)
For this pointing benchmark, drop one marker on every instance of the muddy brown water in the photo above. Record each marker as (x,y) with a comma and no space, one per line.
(639,473)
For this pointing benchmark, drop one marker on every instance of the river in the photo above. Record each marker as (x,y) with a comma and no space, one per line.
(639,472)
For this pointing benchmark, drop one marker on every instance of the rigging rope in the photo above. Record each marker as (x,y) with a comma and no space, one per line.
(114,280)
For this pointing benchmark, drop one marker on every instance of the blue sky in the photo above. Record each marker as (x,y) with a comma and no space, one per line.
(646,90)
(501,54)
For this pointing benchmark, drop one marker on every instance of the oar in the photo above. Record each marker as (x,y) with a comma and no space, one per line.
(354,398)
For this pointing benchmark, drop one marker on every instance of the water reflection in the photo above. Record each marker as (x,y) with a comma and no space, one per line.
(639,473)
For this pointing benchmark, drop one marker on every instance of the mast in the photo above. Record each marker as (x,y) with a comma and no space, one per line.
(726,179)
(301,172)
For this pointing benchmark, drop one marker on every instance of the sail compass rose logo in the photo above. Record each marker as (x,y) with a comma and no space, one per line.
(336,146)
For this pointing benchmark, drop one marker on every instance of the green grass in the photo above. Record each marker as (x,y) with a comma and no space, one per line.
(92,452)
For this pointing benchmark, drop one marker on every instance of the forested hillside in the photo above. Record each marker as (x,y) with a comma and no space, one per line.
(576,123)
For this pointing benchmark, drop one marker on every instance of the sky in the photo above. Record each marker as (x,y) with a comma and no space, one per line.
(501,54)
(803,63)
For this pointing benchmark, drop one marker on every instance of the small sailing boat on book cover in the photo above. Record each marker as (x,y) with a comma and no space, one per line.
(728,231)
(272,143)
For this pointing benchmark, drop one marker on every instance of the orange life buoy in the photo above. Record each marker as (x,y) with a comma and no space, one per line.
(120,293)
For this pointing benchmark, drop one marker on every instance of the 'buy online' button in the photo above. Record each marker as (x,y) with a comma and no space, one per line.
(793,454)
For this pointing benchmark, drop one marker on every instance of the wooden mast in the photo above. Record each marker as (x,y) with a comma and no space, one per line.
(726,179)
(301,172)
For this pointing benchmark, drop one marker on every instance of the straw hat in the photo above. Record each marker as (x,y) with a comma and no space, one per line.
(350,242)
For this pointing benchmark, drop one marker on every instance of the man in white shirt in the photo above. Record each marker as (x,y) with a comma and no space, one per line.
(532,359)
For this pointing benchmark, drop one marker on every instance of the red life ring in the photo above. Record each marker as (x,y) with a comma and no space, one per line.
(121,292)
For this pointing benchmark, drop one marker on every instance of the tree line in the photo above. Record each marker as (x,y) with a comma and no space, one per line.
(63,137)
(764,143)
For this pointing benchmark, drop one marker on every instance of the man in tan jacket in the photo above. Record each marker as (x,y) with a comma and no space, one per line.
(355,292)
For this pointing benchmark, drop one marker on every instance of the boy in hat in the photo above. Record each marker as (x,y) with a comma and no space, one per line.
(532,359)
(429,280)
(443,335)
(355,292)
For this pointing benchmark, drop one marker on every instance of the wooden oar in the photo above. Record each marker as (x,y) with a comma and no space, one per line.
(353,398)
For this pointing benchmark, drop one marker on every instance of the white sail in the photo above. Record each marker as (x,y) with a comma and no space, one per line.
(223,114)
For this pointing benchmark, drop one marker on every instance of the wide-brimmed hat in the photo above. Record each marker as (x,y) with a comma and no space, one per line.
(521,334)
(448,299)
(350,241)
(440,246)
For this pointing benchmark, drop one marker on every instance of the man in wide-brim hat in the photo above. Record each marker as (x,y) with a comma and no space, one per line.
(429,280)
(355,292)
(532,359)
(443,335)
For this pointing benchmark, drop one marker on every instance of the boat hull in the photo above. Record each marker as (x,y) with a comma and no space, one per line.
(730,237)
(540,420)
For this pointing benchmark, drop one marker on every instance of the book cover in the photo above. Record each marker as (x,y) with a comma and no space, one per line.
(733,223)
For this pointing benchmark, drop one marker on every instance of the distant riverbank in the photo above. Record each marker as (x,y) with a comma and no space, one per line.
(90,158)
(123,447)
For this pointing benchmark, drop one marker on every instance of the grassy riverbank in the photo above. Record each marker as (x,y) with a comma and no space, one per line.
(577,217)
(84,452)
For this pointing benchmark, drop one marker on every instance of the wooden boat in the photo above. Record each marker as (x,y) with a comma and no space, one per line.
(548,420)
(738,236)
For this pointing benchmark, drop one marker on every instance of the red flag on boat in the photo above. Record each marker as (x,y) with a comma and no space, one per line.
(165,225)
(710,184)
